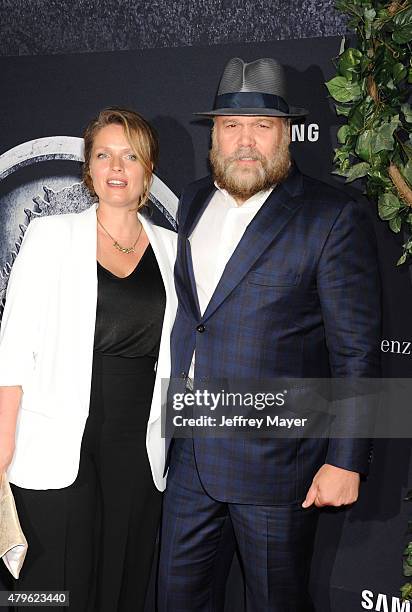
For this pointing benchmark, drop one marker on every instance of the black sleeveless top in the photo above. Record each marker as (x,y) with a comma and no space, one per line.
(130,310)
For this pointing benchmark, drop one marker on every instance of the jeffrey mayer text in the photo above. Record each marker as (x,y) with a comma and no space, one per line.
(238,421)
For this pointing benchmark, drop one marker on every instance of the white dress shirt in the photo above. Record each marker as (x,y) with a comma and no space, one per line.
(215,238)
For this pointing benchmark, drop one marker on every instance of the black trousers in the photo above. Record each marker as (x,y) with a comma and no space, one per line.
(96,537)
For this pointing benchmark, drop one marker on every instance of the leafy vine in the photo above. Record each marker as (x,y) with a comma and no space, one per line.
(372,91)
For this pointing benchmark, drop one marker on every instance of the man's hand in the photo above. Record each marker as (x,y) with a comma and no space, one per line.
(333,486)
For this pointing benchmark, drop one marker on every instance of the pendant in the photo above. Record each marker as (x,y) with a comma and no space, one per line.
(125,250)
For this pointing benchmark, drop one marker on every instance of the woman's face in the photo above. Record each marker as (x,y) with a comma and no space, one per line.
(116,172)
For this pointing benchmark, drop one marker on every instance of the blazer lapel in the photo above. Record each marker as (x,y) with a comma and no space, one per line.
(163,242)
(80,290)
(274,215)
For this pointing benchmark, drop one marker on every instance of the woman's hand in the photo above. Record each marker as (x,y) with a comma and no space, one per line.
(9,406)
(6,450)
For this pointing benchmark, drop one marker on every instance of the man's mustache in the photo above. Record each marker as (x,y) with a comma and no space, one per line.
(245,154)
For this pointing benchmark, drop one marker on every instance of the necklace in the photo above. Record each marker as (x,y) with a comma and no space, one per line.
(116,245)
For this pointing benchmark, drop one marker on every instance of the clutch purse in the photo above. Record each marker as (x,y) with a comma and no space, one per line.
(13,544)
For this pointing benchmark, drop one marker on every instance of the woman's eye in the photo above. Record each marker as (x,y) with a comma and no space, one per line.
(101,155)
(132,156)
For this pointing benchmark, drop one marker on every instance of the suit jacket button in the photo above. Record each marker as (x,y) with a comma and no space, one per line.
(200,328)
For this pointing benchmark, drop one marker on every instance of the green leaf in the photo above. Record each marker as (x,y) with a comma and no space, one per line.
(361,113)
(383,14)
(407,569)
(410,75)
(406,591)
(341,154)
(390,85)
(380,176)
(342,45)
(384,135)
(357,171)
(365,145)
(402,21)
(406,171)
(399,72)
(370,15)
(343,166)
(343,90)
(401,259)
(373,141)
(407,112)
(407,149)
(343,133)
(348,7)
(388,206)
(349,63)
(395,224)
(403,18)
(342,110)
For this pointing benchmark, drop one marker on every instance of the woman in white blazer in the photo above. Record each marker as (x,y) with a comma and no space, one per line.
(89,308)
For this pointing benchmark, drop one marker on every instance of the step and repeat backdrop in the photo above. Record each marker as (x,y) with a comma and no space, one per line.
(47,100)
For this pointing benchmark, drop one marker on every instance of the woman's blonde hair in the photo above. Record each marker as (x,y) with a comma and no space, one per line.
(139,133)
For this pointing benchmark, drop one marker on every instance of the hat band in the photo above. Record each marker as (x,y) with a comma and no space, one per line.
(251,99)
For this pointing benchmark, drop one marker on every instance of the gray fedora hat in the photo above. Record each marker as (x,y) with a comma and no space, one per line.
(255,88)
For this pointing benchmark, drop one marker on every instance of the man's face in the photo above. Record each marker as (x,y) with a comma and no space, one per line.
(249,153)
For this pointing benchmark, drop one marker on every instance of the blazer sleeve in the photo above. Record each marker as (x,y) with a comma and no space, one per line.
(349,290)
(22,313)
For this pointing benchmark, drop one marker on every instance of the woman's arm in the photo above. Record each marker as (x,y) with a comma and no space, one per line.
(9,405)
(17,337)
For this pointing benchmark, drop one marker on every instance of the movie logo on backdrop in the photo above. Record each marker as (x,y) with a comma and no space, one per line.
(66,196)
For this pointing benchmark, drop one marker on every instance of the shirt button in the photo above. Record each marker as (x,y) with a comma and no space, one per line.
(182,374)
(200,328)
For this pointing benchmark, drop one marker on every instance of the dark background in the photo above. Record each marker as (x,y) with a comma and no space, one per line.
(63,61)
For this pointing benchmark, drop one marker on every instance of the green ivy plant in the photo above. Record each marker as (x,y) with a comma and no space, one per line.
(372,91)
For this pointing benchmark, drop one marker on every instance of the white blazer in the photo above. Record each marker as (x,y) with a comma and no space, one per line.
(46,345)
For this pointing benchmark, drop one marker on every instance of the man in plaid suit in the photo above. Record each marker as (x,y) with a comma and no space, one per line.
(276,276)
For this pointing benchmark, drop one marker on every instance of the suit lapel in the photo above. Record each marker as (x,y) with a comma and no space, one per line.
(274,215)
(197,206)
(188,291)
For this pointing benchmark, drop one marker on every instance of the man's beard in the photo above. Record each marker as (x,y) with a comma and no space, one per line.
(244,182)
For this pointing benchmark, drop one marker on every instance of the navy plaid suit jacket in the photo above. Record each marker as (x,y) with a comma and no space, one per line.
(299,297)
